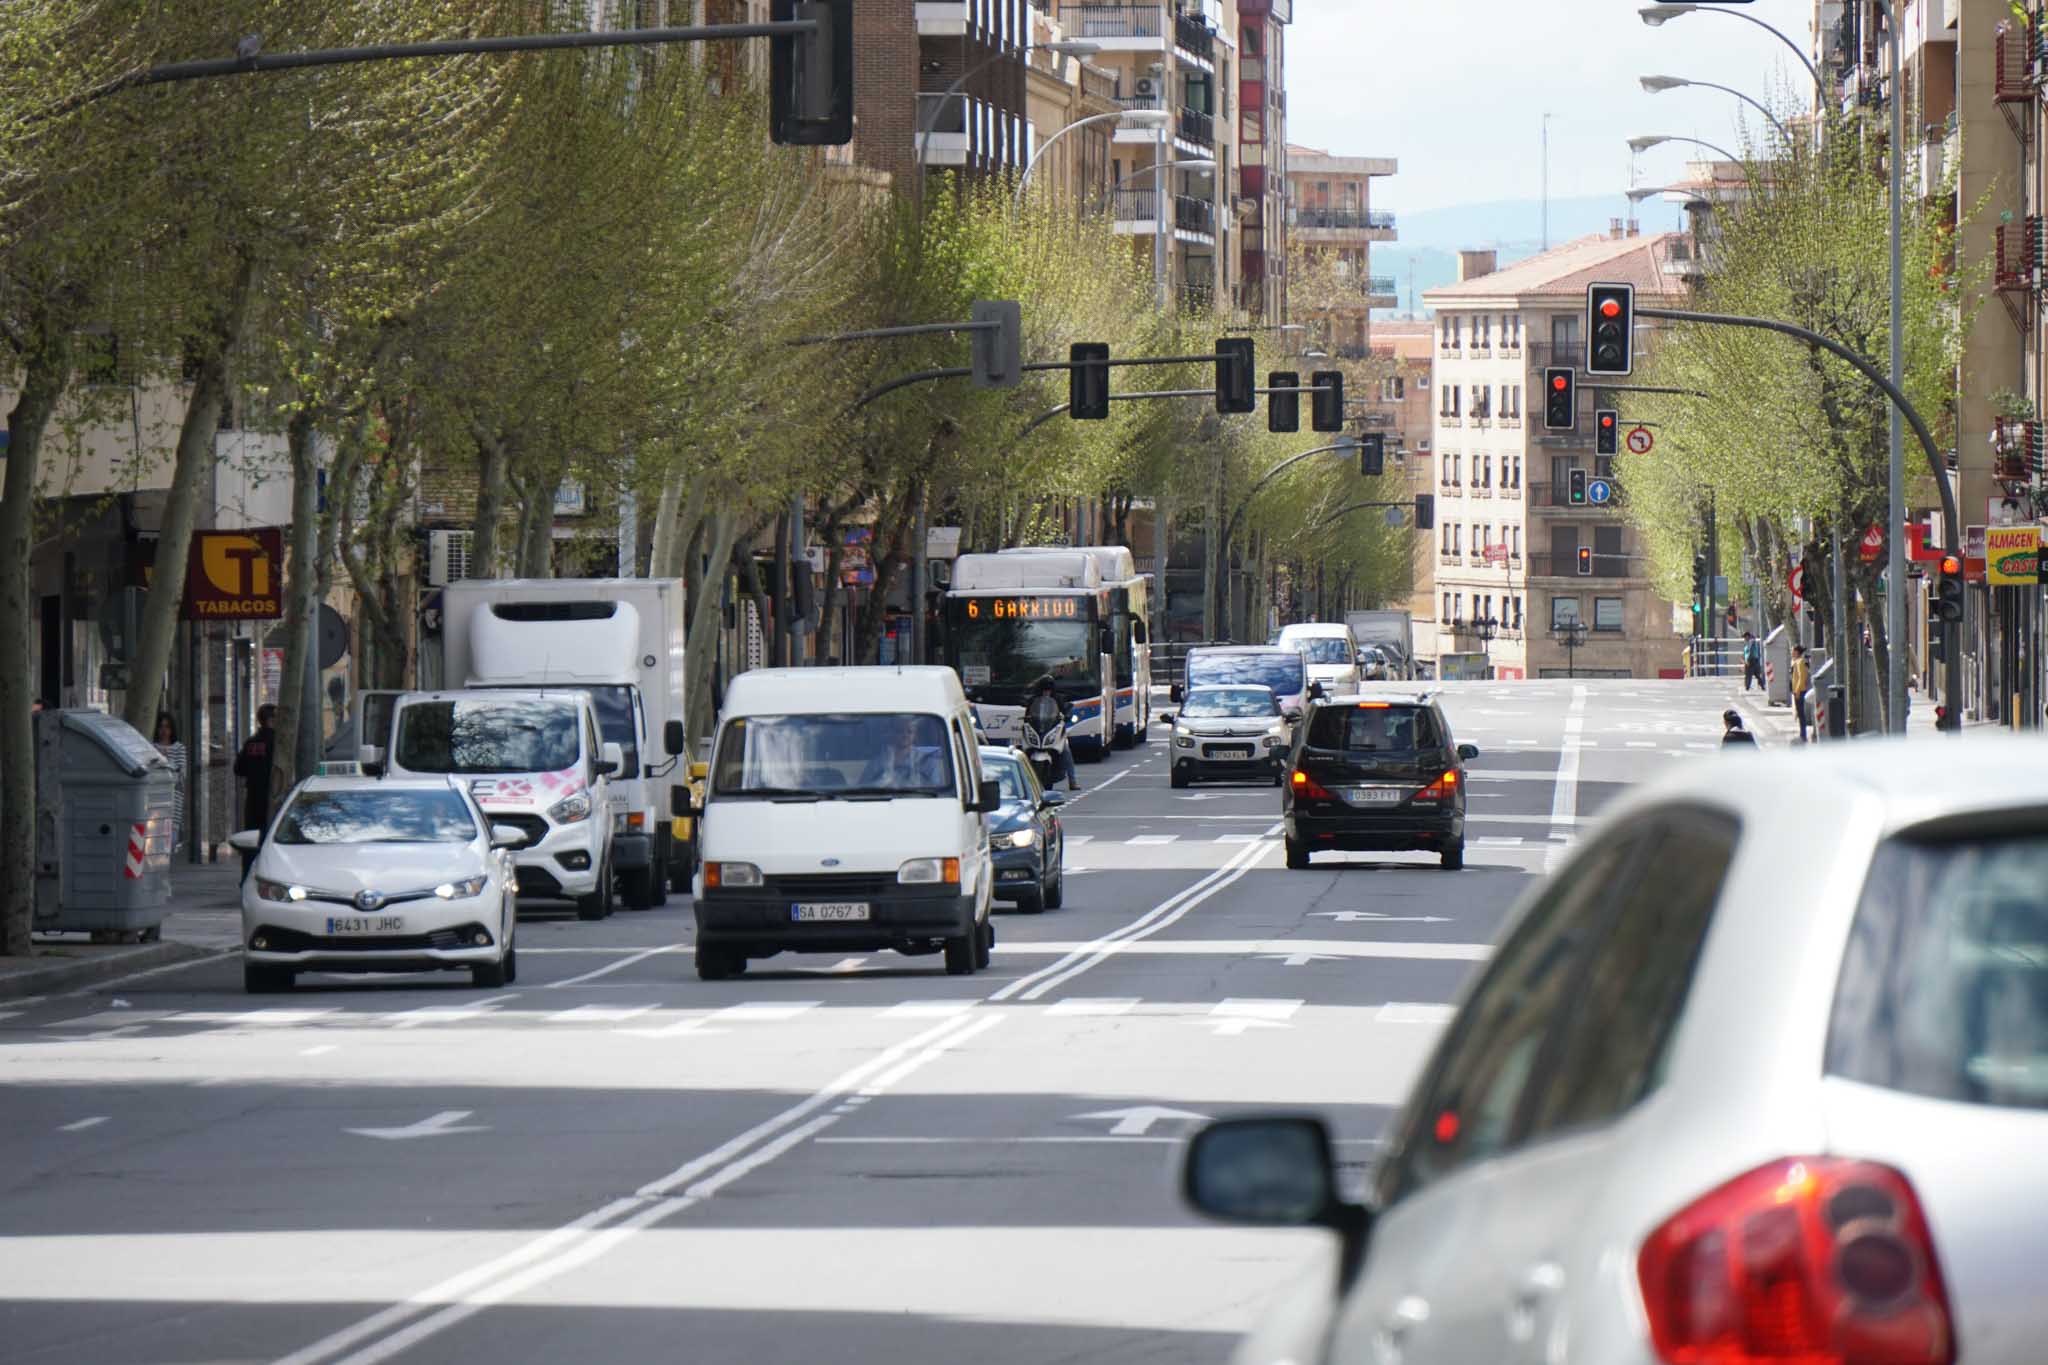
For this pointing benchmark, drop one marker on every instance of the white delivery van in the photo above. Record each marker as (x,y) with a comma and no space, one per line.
(621,640)
(533,760)
(1330,652)
(844,813)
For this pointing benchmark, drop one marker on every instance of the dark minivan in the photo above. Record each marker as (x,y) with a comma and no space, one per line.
(1376,774)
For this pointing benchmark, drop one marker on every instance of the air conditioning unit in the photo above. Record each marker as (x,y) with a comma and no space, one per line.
(447,557)
(1148,88)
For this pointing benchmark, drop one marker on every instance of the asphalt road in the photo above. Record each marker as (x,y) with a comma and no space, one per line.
(857,1159)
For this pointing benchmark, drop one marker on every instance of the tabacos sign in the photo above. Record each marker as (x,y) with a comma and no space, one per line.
(235,575)
(2011,553)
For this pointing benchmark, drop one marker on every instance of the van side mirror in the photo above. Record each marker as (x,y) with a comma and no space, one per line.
(673,739)
(989,798)
(611,757)
(679,804)
(370,758)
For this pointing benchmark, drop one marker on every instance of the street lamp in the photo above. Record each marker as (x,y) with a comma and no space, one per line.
(1638,195)
(1656,16)
(1129,118)
(1064,47)
(1658,84)
(1644,144)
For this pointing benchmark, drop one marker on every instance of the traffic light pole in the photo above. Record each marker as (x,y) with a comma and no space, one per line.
(1952,668)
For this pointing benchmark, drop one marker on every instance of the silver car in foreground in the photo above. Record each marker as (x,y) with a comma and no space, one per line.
(1760,1075)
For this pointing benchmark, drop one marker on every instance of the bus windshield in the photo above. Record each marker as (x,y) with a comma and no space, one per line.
(1007,654)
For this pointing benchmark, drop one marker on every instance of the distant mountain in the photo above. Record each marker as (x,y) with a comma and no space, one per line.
(1426,257)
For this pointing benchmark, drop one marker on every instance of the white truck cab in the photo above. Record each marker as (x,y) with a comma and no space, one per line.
(533,759)
(1329,650)
(844,812)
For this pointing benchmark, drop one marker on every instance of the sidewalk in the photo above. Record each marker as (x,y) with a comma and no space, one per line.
(1777,725)
(203,919)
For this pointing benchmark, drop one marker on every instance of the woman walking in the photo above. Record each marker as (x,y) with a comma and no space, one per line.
(168,745)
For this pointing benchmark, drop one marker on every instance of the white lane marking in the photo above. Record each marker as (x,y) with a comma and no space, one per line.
(842,966)
(1075,798)
(1152,839)
(599,1014)
(1525,741)
(1401,1013)
(1500,841)
(1139,1119)
(764,1011)
(260,1017)
(1233,1017)
(980,1141)
(1564,800)
(1275,947)
(610,967)
(448,1014)
(444,1124)
(83,1124)
(881,1083)
(1083,1007)
(1076,840)
(930,1009)
(113,1019)
(320,1051)
(1642,744)
(1690,745)
(98,986)
(1298,959)
(1237,838)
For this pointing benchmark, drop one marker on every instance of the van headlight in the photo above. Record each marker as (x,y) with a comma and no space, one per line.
(570,809)
(461,891)
(730,875)
(1023,838)
(929,872)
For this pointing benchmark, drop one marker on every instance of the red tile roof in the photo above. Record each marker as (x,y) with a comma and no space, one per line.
(1566,270)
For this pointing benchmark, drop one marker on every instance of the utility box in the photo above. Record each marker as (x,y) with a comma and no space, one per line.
(1778,667)
(105,798)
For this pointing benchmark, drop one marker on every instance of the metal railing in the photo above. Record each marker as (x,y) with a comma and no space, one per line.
(1114,21)
(1604,566)
(1187,213)
(1342,219)
(1549,494)
(1197,127)
(1193,34)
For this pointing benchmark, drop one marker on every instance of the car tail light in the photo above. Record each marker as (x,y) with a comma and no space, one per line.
(1443,789)
(1306,786)
(1812,1260)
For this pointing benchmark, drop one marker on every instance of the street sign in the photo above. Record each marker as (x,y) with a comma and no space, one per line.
(235,575)
(1640,440)
(1792,583)
(1599,491)
(1872,544)
(1973,554)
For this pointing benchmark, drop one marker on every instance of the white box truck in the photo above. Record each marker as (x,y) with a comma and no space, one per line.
(619,639)
(1393,631)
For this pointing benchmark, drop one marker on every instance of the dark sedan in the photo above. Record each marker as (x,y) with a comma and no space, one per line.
(1025,833)
(1377,774)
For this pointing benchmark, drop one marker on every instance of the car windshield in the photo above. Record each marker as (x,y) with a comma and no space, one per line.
(1373,728)
(488,735)
(1283,672)
(1008,775)
(1943,989)
(1228,701)
(1322,649)
(376,816)
(831,754)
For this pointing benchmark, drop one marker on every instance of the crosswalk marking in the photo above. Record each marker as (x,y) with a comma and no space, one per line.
(1642,744)
(1500,840)
(929,1009)
(277,1016)
(1095,1008)
(600,1014)
(1237,838)
(1415,1014)
(764,1011)
(1076,840)
(1152,839)
(1235,1008)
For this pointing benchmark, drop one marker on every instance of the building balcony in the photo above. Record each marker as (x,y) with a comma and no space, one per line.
(1196,128)
(1604,567)
(1141,28)
(1136,212)
(941,18)
(1547,496)
(1449,419)
(1329,225)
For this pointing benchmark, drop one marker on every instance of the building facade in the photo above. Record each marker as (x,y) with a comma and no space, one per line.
(1262,158)
(1398,405)
(1510,579)
(1330,214)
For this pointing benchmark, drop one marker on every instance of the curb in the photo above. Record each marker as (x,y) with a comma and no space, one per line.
(1764,721)
(54,973)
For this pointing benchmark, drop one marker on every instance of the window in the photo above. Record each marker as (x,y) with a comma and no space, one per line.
(1482,400)
(372,816)
(1395,388)
(1607,613)
(1608,560)
(1518,613)
(1464,1109)
(1564,336)
(1457,469)
(1564,611)
(1374,729)
(1422,382)
(1944,988)
(1515,541)
(1518,471)
(1486,471)
(1457,606)
(1564,549)
(1457,540)
(902,753)
(1446,540)
(1445,615)
(1636,977)
(1482,330)
(1457,332)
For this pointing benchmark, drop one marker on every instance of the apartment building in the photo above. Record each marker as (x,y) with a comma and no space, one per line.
(1262,158)
(1329,212)
(1508,577)
(1398,405)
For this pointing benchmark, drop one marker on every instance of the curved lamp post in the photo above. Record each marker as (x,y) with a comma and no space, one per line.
(1658,84)
(1065,47)
(1130,118)
(1656,16)
(1644,144)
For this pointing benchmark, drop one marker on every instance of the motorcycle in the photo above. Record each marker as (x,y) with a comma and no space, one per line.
(1043,748)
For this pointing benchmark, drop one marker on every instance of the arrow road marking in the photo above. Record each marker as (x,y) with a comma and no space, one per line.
(443,1124)
(83,1124)
(1297,959)
(1138,1119)
(1354,916)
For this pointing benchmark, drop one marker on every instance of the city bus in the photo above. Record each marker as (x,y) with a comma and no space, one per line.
(1130,607)
(1011,619)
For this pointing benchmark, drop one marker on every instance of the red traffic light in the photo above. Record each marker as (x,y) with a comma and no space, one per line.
(1557,382)
(1606,420)
(1951,565)
(1610,308)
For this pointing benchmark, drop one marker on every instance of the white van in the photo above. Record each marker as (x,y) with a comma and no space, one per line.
(1331,652)
(533,759)
(844,813)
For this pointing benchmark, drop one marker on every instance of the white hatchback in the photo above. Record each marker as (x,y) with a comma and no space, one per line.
(1760,1075)
(379,875)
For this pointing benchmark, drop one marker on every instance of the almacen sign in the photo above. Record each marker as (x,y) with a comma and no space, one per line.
(235,575)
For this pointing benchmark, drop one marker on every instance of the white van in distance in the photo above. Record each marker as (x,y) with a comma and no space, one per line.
(1330,651)
(844,813)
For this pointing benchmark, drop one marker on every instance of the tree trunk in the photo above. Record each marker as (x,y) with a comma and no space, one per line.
(700,651)
(493,458)
(537,536)
(181,506)
(46,370)
(298,620)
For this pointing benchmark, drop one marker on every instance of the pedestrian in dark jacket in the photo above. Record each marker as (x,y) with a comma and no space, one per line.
(1733,733)
(1752,662)
(253,765)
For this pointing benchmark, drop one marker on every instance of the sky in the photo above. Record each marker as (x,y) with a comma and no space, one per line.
(1456,90)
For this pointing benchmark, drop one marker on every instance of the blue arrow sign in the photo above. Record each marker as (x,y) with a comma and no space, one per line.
(1599,491)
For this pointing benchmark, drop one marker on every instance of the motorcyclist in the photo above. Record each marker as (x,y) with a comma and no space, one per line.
(1044,713)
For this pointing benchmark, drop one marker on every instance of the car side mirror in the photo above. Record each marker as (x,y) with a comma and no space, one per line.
(673,739)
(1273,1172)
(1166,717)
(611,757)
(507,836)
(989,798)
(1052,799)
(1468,751)
(370,758)
(246,840)
(679,804)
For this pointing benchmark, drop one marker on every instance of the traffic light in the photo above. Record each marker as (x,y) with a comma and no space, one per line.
(1088,381)
(1283,410)
(1610,328)
(1425,511)
(1235,390)
(1560,399)
(1372,454)
(810,75)
(1948,591)
(1585,561)
(1326,411)
(1578,487)
(996,355)
(1606,432)
(1699,578)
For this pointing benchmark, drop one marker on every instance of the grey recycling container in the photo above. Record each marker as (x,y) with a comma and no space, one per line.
(105,799)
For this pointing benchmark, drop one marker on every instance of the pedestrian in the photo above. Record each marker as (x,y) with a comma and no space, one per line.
(1752,661)
(253,765)
(1732,731)
(168,745)
(1801,680)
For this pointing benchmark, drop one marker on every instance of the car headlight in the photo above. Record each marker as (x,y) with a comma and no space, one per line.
(1275,741)
(570,809)
(929,872)
(1181,741)
(461,891)
(1182,732)
(1023,838)
(731,875)
(269,890)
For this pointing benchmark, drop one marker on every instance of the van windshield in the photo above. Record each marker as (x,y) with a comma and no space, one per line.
(1281,671)
(487,735)
(829,755)
(1322,649)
